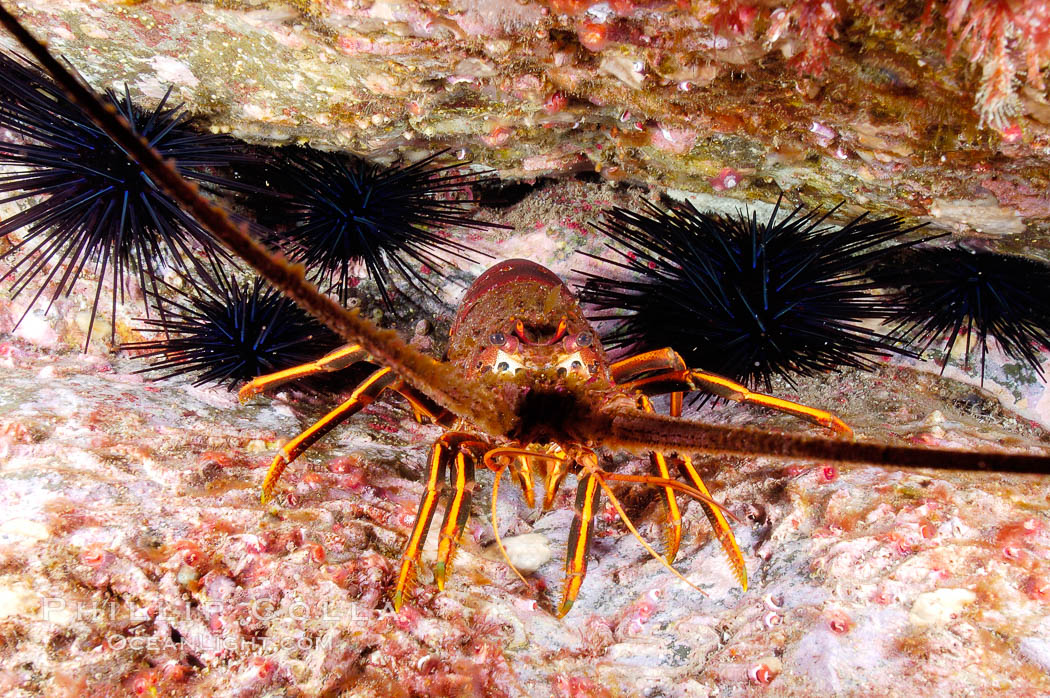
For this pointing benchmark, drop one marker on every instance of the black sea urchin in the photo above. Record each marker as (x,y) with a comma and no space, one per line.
(744,298)
(97,206)
(982,295)
(228,332)
(334,211)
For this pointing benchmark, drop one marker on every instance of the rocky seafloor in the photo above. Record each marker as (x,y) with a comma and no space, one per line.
(136,558)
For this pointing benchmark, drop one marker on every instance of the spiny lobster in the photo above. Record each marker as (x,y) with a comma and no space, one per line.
(522,336)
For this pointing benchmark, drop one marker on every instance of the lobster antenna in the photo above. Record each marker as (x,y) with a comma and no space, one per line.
(644,432)
(437,381)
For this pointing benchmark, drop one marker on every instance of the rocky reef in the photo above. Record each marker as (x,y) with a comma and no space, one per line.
(136,559)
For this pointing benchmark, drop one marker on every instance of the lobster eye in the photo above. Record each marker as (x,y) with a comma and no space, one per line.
(584,339)
(497,339)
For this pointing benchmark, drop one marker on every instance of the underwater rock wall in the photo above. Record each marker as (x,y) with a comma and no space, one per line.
(933,110)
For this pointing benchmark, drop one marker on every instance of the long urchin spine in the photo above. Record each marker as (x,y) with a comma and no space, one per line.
(332,211)
(743,297)
(228,332)
(96,206)
(948,292)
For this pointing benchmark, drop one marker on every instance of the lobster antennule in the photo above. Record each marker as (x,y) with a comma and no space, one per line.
(642,432)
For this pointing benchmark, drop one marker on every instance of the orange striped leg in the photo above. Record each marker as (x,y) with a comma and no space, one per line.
(673,530)
(676,404)
(364,395)
(643,374)
(556,471)
(437,464)
(659,361)
(663,370)
(423,408)
(580,535)
(522,471)
(456,514)
(335,360)
(723,387)
(723,532)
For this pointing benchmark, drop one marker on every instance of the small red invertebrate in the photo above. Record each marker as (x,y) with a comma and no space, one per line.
(144,682)
(555,102)
(263,666)
(839,622)
(498,136)
(217,457)
(593,35)
(727,179)
(761,674)
(734,17)
(1011,134)
(95,556)
(189,553)
(828,473)
(1037,587)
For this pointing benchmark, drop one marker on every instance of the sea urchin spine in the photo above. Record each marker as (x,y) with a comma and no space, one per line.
(745,298)
(97,206)
(228,332)
(982,295)
(335,211)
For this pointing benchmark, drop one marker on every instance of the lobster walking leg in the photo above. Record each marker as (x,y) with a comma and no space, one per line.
(335,360)
(423,408)
(456,513)
(655,366)
(580,535)
(522,469)
(723,532)
(365,393)
(664,371)
(437,464)
(452,449)
(673,531)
